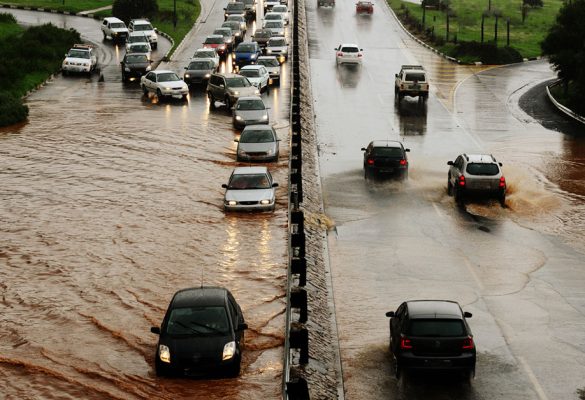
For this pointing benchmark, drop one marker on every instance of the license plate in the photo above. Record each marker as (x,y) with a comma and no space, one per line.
(387,170)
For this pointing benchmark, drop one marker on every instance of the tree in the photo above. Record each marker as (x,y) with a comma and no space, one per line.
(129,9)
(533,3)
(565,47)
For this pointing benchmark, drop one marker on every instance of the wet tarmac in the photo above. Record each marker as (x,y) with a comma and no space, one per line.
(110,202)
(520,270)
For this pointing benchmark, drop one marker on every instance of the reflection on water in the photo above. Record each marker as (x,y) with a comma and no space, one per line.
(348,75)
(412,116)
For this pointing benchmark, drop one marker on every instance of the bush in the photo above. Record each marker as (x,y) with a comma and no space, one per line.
(11,109)
(487,53)
(130,9)
(533,3)
(7,18)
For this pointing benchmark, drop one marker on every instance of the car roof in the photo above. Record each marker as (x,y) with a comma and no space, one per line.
(113,19)
(163,71)
(277,37)
(214,36)
(200,296)
(250,170)
(434,309)
(229,75)
(386,143)
(205,50)
(267,57)
(137,33)
(258,127)
(248,67)
(140,21)
(480,158)
(250,98)
(349,45)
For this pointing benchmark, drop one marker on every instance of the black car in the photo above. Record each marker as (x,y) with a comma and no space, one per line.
(201,334)
(431,335)
(134,65)
(385,158)
(261,36)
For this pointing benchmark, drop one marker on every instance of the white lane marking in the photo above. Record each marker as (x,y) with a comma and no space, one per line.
(539,390)
(437,210)
(471,270)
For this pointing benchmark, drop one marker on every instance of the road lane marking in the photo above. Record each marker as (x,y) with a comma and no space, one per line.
(539,390)
(471,270)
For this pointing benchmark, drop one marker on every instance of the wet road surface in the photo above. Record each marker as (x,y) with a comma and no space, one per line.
(519,270)
(110,202)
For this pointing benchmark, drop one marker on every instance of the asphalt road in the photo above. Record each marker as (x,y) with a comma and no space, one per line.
(519,269)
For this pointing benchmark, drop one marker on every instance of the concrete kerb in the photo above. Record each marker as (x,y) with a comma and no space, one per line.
(565,110)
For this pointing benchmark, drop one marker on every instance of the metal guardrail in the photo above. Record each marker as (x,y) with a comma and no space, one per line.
(559,106)
(296,333)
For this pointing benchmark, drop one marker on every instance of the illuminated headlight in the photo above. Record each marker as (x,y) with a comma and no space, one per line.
(264,117)
(207,75)
(148,68)
(238,118)
(264,202)
(114,33)
(187,75)
(164,353)
(256,92)
(222,47)
(127,69)
(228,40)
(253,57)
(168,89)
(230,203)
(229,350)
(65,62)
(268,51)
(226,15)
(238,34)
(281,59)
(236,93)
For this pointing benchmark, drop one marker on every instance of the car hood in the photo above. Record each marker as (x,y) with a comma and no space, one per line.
(282,49)
(137,65)
(255,80)
(173,84)
(199,72)
(249,195)
(244,54)
(190,346)
(78,60)
(257,147)
(251,114)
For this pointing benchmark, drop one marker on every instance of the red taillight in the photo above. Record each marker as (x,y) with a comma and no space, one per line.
(360,55)
(403,162)
(502,183)
(405,344)
(462,181)
(339,54)
(370,161)
(468,343)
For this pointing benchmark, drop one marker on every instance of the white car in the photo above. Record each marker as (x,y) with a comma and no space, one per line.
(81,58)
(165,84)
(115,29)
(268,4)
(250,189)
(281,9)
(257,75)
(144,26)
(137,37)
(276,26)
(240,19)
(208,54)
(272,65)
(348,53)
(277,46)
(273,16)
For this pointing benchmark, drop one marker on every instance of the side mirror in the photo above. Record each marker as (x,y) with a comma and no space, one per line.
(185,68)
(467,314)
(156,30)
(224,186)
(396,75)
(500,164)
(361,49)
(237,140)
(221,85)
(390,314)
(407,150)
(363,149)
(242,327)
(449,162)
(275,184)
(155,329)
(121,62)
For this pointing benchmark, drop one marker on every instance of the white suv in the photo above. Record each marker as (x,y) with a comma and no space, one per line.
(144,25)
(80,58)
(115,29)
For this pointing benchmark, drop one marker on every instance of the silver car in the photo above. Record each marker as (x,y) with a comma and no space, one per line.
(250,189)
(249,110)
(272,65)
(257,143)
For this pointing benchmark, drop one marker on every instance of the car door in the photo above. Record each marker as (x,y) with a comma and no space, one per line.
(150,81)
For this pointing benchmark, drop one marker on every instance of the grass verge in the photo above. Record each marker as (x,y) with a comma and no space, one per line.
(62,5)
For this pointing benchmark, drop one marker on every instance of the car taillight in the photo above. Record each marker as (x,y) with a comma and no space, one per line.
(502,183)
(403,162)
(339,54)
(468,343)
(462,181)
(402,86)
(360,55)
(405,344)
(370,161)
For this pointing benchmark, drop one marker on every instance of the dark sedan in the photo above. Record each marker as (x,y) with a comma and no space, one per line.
(201,334)
(134,65)
(199,71)
(432,335)
(385,158)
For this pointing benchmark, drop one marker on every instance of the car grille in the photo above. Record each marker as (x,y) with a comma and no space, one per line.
(248,203)
(177,88)
(257,154)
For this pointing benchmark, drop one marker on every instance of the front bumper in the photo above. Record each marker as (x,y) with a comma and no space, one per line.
(76,68)
(246,206)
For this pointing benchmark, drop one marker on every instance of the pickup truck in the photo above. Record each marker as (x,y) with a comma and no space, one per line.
(411,81)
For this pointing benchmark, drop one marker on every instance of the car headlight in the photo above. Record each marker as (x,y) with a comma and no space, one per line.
(268,51)
(207,75)
(256,92)
(253,56)
(226,15)
(65,62)
(168,89)
(264,202)
(236,93)
(270,152)
(187,75)
(229,350)
(114,33)
(264,117)
(127,69)
(238,34)
(241,152)
(238,118)
(164,354)
(231,203)
(228,40)
(148,68)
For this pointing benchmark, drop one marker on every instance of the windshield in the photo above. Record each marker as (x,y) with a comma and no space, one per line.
(415,76)
(436,327)
(482,169)
(168,77)
(200,65)
(78,54)
(387,151)
(277,42)
(255,104)
(117,25)
(137,39)
(204,54)
(279,9)
(249,181)
(257,136)
(233,25)
(139,48)
(223,32)
(237,82)
(269,62)
(269,17)
(235,7)
(247,48)
(214,40)
(250,73)
(210,320)
(274,24)
(143,27)
(263,34)
(136,58)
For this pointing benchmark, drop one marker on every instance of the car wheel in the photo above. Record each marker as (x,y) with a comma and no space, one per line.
(105,36)
(449,187)
(469,375)
(211,101)
(397,369)
(228,103)
(234,370)
(458,196)
(144,90)
(159,94)
(64,72)
(503,200)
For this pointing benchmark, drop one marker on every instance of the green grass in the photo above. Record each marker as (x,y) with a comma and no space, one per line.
(70,5)
(9,29)
(466,26)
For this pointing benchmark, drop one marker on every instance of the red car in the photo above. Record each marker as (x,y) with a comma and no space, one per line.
(216,42)
(364,7)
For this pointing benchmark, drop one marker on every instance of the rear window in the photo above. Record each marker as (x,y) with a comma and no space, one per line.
(436,327)
(235,7)
(415,76)
(387,151)
(237,82)
(482,169)
(350,49)
(214,40)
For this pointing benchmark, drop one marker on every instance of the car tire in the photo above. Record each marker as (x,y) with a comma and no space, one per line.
(64,72)
(234,370)
(458,196)
(228,103)
(502,200)
(159,94)
(398,372)
(144,90)
(211,101)
(469,375)
(449,187)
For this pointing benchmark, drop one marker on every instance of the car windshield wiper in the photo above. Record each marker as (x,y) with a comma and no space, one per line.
(187,327)
(207,327)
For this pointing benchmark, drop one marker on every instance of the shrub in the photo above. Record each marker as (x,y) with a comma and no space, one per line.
(11,109)
(533,3)
(7,18)
(129,9)
(487,53)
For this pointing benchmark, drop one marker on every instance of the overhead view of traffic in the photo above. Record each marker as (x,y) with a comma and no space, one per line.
(150,239)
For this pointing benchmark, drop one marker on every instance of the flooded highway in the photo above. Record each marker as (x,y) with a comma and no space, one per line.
(109,203)
(520,270)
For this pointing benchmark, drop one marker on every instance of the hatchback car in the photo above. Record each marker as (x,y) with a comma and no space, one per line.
(281,9)
(261,36)
(477,175)
(257,75)
(385,158)
(250,189)
(246,53)
(249,110)
(431,335)
(240,19)
(348,54)
(144,25)
(277,46)
(235,8)
(217,43)
(257,143)
(166,84)
(237,31)
(277,27)
(134,66)
(202,332)
(228,37)
(228,88)
(273,67)
(198,71)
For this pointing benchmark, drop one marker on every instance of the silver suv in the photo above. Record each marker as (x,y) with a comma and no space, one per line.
(476,174)
(228,88)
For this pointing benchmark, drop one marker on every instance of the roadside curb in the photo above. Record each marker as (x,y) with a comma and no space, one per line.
(565,110)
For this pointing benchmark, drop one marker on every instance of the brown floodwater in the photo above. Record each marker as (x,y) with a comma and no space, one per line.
(109,203)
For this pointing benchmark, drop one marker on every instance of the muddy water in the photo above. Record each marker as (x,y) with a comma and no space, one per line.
(109,203)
